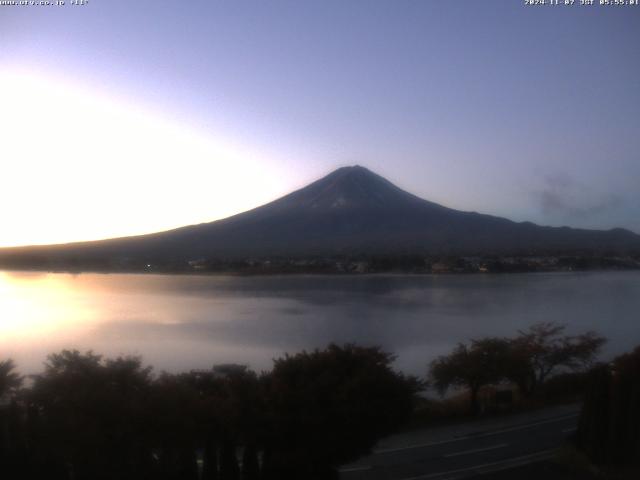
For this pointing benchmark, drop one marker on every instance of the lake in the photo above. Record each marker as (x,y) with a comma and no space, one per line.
(183,322)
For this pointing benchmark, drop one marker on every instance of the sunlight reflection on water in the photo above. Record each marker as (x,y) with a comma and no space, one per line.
(183,322)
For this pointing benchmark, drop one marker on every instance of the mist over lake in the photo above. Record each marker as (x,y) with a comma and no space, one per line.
(184,322)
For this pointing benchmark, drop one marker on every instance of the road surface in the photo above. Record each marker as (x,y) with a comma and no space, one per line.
(466,450)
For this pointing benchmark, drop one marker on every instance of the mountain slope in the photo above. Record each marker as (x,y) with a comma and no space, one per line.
(350,211)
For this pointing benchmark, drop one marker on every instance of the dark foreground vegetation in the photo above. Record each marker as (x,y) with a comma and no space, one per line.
(87,417)
(543,365)
(529,361)
(606,445)
(609,427)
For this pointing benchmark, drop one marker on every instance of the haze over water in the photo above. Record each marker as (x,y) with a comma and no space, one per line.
(184,322)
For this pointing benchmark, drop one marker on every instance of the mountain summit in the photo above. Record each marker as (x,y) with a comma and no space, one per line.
(350,187)
(351,211)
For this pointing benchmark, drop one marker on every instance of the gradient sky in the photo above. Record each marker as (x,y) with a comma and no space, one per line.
(123,117)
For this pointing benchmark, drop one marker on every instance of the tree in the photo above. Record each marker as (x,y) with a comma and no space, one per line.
(609,425)
(174,407)
(328,407)
(10,381)
(473,366)
(229,413)
(541,350)
(91,414)
(10,419)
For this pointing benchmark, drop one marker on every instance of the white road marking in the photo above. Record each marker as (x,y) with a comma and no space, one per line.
(468,437)
(567,430)
(475,450)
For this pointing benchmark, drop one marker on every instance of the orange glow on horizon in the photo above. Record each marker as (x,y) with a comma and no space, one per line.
(38,305)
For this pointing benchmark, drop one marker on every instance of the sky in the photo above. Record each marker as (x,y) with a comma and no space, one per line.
(126,117)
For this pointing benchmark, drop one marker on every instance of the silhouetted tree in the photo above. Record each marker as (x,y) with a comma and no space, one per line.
(86,417)
(329,407)
(540,351)
(473,366)
(609,425)
(230,414)
(175,408)
(11,438)
(10,381)
(91,415)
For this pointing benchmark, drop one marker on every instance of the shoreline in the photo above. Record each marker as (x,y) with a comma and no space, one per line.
(264,274)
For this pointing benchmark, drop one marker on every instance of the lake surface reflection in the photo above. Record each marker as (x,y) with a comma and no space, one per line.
(183,322)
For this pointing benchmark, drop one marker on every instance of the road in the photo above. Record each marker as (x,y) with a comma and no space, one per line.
(467,450)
